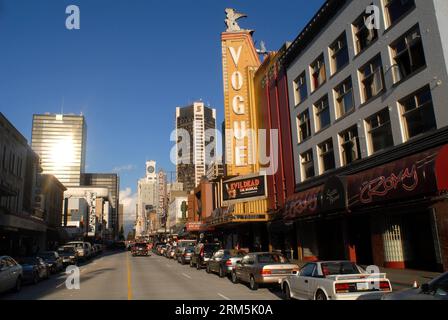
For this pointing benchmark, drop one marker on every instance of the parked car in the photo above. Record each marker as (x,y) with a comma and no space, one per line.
(162,249)
(53,260)
(84,249)
(437,289)
(99,248)
(182,244)
(171,252)
(167,249)
(223,261)
(335,280)
(69,255)
(11,274)
(202,253)
(185,254)
(262,268)
(34,269)
(140,249)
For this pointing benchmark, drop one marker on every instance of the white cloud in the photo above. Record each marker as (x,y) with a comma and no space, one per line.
(128,167)
(129,200)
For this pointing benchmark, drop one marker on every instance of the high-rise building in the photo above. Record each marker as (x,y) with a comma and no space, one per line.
(60,142)
(112,182)
(147,199)
(196,132)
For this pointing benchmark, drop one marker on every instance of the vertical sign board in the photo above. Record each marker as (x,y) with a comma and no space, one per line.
(92,216)
(240,58)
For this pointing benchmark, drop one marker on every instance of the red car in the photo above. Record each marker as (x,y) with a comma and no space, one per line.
(140,249)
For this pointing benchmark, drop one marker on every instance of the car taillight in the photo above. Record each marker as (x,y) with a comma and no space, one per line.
(384,286)
(266,272)
(228,263)
(342,287)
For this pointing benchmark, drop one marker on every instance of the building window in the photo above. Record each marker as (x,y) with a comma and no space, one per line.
(396,9)
(304,126)
(339,54)
(418,113)
(408,55)
(364,37)
(344,98)
(307,164)
(322,113)
(327,155)
(380,131)
(318,73)
(350,145)
(301,91)
(372,79)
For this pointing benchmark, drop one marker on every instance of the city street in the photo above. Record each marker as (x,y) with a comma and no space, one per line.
(119,276)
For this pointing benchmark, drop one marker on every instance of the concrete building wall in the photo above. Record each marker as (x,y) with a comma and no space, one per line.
(434,75)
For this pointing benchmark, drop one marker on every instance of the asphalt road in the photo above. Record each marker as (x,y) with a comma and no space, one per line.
(119,276)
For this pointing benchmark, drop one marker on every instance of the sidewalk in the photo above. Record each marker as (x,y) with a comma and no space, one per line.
(401,279)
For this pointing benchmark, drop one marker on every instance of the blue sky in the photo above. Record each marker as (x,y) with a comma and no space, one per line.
(127,68)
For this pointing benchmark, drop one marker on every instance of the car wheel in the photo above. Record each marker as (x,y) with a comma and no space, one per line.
(286,292)
(222,274)
(18,285)
(320,295)
(252,284)
(208,269)
(234,278)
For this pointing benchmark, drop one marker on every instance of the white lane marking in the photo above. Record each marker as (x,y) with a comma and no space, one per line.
(60,285)
(223,296)
(186,276)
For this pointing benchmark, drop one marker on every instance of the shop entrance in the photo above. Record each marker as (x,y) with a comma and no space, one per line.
(360,237)
(419,238)
(330,240)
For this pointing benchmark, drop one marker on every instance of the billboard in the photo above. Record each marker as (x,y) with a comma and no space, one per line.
(244,189)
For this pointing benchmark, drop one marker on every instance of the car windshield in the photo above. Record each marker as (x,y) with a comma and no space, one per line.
(339,268)
(272,258)
(235,253)
(27,260)
(77,245)
(211,247)
(46,255)
(66,250)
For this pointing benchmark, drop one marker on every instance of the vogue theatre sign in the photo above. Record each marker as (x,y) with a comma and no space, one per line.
(240,61)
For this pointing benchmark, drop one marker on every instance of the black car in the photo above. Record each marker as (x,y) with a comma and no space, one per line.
(53,260)
(69,255)
(202,254)
(34,269)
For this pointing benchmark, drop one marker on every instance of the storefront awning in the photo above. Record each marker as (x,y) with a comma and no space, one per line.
(419,175)
(304,203)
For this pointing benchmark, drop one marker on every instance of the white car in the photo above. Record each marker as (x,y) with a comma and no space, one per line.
(11,274)
(335,280)
(84,249)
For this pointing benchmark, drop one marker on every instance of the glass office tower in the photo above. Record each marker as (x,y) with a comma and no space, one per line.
(60,141)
